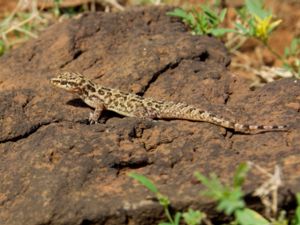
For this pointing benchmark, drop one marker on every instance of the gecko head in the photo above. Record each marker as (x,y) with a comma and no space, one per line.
(72,82)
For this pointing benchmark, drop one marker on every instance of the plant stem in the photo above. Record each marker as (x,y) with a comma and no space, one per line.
(167,212)
(278,56)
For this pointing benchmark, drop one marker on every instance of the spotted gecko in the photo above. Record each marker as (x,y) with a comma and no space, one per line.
(127,104)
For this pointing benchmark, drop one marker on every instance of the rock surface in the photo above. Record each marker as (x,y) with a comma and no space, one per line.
(55,168)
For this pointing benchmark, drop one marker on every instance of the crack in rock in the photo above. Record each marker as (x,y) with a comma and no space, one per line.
(29,132)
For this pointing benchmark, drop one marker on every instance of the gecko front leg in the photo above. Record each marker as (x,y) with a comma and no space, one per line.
(94,116)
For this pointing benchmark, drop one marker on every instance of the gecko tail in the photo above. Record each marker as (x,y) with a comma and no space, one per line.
(259,128)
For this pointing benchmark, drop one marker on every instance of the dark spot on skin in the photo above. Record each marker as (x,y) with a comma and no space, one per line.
(85,92)
(149,104)
(122,105)
(129,105)
(63,82)
(101,92)
(158,106)
(275,127)
(231,124)
(116,103)
(136,100)
(190,110)
(122,96)
(123,93)
(212,115)
(201,112)
(91,88)
(260,127)
(105,89)
(70,83)
(246,126)
(107,94)
(81,82)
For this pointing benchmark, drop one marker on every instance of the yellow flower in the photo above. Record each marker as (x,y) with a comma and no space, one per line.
(264,26)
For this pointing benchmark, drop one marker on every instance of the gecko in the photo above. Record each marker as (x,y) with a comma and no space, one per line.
(128,104)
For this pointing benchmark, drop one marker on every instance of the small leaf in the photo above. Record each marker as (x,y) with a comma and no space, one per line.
(214,188)
(223,14)
(242,12)
(190,20)
(287,52)
(255,8)
(294,44)
(193,217)
(296,219)
(210,13)
(250,217)
(218,32)
(240,174)
(241,28)
(231,201)
(274,25)
(144,181)
(163,200)
(2,47)
(177,218)
(178,13)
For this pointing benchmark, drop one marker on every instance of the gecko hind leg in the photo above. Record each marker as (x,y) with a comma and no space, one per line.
(144,113)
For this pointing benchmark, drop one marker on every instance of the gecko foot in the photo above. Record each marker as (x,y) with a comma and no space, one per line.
(93,119)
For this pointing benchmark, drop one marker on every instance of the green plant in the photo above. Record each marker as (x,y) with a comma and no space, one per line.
(191,217)
(292,55)
(203,21)
(56,8)
(2,47)
(254,21)
(229,199)
(296,219)
(26,20)
(259,23)
(154,2)
(19,25)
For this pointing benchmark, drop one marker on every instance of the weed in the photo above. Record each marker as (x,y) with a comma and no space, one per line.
(254,21)
(162,199)
(27,20)
(229,200)
(203,21)
(56,8)
(296,219)
(292,55)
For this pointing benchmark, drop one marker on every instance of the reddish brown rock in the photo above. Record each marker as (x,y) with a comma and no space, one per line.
(55,168)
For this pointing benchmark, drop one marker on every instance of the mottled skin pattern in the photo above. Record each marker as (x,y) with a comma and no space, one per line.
(127,104)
